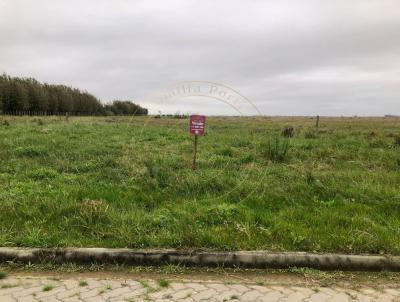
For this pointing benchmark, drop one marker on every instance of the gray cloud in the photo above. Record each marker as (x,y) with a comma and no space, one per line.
(290,57)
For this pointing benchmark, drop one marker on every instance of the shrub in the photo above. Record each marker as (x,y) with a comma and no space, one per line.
(179,116)
(288,131)
(276,149)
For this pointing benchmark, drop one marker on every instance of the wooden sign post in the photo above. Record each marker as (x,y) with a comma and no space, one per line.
(196,127)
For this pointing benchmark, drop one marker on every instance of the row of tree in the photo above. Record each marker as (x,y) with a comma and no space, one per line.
(28,96)
(124,108)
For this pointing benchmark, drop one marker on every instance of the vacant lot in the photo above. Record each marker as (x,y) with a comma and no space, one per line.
(127,182)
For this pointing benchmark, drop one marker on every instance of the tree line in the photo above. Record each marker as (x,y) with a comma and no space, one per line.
(28,96)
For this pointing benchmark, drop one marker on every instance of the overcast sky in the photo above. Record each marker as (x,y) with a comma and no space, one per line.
(328,57)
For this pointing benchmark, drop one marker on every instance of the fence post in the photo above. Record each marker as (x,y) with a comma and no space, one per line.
(194,153)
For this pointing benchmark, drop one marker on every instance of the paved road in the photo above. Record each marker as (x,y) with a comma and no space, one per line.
(76,288)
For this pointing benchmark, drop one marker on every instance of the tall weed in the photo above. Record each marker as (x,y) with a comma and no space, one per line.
(276,149)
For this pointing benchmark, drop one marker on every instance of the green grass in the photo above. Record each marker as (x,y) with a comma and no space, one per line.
(163,283)
(127,182)
(8,285)
(48,287)
(3,275)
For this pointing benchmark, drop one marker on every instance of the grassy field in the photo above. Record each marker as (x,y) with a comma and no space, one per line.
(127,182)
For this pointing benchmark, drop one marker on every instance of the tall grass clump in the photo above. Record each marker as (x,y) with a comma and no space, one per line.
(288,131)
(276,149)
(43,173)
(310,134)
(397,141)
(94,211)
(31,151)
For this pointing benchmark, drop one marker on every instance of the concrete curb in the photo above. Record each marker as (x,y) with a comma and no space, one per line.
(248,259)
